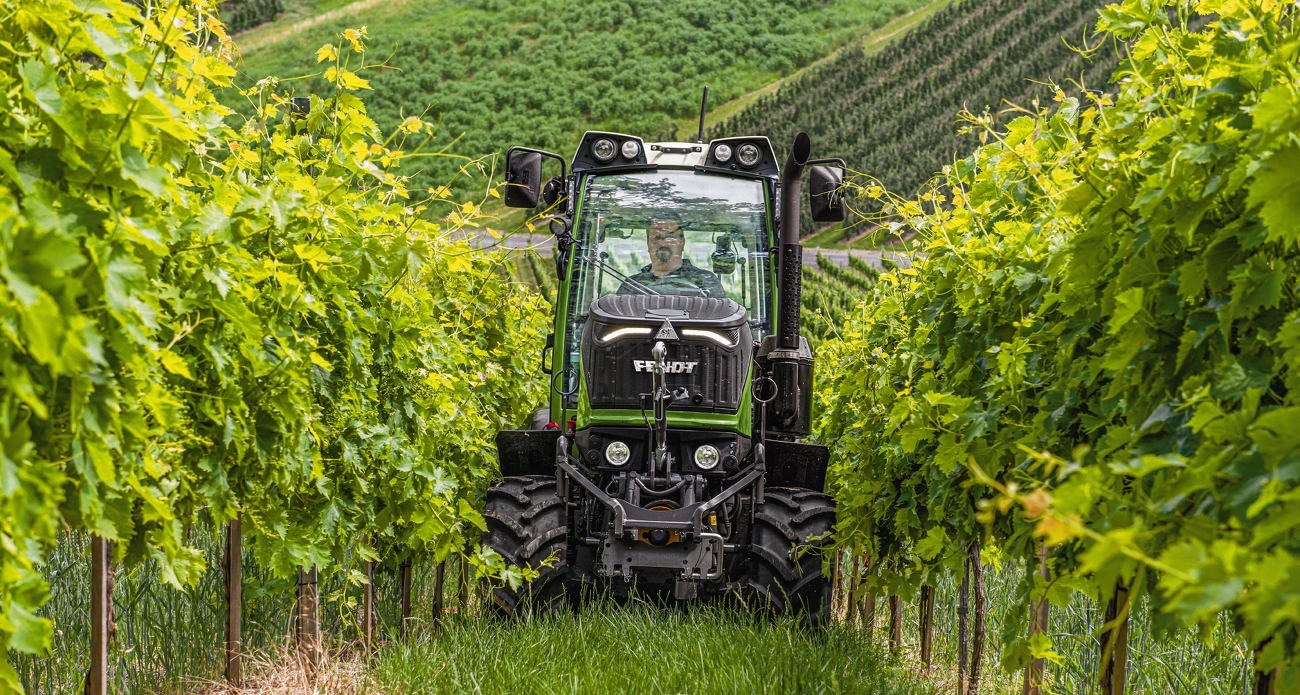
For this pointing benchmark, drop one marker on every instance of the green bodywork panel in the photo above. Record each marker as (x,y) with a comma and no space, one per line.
(740,422)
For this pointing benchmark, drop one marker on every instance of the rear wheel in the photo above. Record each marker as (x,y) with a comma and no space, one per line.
(785,567)
(526,523)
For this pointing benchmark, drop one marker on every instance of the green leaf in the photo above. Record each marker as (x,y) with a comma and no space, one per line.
(32,634)
(42,83)
(1145,465)
(1277,434)
(321,362)
(471,515)
(1040,647)
(136,168)
(933,544)
(174,363)
(1278,107)
(1128,304)
(1257,284)
(1276,191)
(43,329)
(122,278)
(314,255)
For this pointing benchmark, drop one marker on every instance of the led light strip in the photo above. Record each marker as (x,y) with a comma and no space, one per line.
(715,337)
(625,331)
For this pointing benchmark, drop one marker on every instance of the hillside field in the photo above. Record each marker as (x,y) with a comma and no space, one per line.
(894,109)
(540,72)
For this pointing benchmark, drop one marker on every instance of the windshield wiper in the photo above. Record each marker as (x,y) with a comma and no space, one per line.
(640,288)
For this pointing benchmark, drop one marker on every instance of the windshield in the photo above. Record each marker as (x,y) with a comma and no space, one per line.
(671,232)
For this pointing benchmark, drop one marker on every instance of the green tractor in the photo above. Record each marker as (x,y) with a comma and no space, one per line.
(670,458)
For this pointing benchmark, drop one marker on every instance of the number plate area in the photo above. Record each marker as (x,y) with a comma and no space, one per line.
(699,559)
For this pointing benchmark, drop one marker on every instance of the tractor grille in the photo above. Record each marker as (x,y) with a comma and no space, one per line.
(710,359)
(716,380)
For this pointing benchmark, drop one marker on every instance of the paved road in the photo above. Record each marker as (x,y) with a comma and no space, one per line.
(840,257)
(544,243)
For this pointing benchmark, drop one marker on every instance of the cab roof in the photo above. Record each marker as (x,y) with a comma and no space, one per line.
(691,155)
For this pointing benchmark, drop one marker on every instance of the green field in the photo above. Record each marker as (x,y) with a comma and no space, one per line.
(541,72)
(892,110)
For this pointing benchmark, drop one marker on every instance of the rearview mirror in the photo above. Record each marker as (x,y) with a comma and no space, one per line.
(825,194)
(523,178)
(724,260)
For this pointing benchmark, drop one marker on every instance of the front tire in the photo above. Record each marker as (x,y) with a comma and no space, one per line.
(785,567)
(527,524)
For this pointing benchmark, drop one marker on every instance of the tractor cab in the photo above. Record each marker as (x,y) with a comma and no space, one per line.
(680,386)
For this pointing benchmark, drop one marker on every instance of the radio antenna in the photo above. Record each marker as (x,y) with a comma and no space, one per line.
(704,106)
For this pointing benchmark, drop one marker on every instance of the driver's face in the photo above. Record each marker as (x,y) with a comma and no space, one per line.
(665,240)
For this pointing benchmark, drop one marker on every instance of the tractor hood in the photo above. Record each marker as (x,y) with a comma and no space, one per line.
(654,309)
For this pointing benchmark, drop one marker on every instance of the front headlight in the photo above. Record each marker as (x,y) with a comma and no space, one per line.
(617,453)
(722,153)
(707,457)
(748,155)
(631,149)
(604,150)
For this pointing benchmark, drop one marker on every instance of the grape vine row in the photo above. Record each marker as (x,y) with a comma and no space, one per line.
(205,321)
(891,112)
(1096,352)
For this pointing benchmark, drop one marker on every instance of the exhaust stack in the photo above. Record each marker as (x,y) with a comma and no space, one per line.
(790,275)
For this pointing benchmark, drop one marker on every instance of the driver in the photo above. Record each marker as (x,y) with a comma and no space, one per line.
(668,272)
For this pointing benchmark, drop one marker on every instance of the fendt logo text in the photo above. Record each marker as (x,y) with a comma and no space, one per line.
(669,367)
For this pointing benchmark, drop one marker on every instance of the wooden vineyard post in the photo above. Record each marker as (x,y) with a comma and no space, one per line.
(963,626)
(1265,681)
(868,611)
(927,625)
(308,620)
(1114,653)
(464,585)
(867,608)
(368,607)
(439,577)
(977,640)
(837,581)
(855,583)
(895,622)
(1039,612)
(404,583)
(234,601)
(101,615)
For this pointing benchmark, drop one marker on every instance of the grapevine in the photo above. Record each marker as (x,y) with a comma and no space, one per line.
(1097,347)
(207,321)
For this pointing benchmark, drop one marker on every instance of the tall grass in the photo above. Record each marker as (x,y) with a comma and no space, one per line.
(169,640)
(1160,663)
(641,648)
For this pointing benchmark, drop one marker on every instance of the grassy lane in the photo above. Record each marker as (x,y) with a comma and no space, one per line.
(641,649)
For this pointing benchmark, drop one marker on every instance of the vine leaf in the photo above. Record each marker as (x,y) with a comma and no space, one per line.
(1277,190)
